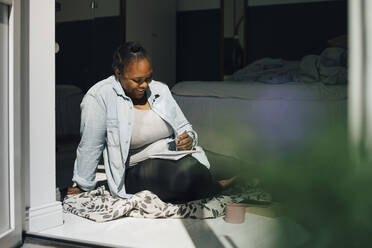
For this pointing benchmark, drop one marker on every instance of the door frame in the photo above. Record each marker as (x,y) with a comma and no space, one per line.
(13,236)
(42,211)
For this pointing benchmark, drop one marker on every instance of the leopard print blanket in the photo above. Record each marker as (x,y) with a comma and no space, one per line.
(98,205)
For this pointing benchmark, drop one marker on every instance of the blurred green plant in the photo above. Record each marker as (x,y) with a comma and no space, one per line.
(319,187)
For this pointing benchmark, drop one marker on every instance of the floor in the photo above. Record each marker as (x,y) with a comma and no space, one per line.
(33,242)
(262,228)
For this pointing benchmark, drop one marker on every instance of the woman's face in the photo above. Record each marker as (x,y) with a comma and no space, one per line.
(137,76)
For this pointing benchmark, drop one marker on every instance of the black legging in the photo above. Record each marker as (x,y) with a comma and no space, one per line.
(182,180)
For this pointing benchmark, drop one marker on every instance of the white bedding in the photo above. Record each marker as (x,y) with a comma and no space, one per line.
(329,68)
(261,123)
(251,90)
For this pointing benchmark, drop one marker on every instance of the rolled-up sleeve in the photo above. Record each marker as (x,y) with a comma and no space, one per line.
(183,125)
(92,143)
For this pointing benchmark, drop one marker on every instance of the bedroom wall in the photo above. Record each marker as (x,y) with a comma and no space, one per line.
(158,35)
(82,33)
(229,20)
(291,31)
(199,40)
(233,43)
(276,2)
(155,27)
(85,54)
(187,5)
(80,10)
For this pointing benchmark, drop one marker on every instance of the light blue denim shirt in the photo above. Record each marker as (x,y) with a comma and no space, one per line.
(106,127)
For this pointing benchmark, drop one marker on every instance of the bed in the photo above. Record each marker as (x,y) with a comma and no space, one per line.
(268,114)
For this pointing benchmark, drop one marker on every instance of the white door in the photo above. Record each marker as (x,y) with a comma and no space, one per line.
(10,211)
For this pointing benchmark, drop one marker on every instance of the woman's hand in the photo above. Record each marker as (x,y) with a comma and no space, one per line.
(184,142)
(74,190)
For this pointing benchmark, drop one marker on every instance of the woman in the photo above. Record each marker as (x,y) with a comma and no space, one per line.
(134,120)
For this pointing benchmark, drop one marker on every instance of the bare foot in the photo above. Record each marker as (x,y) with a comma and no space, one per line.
(226,182)
(73,190)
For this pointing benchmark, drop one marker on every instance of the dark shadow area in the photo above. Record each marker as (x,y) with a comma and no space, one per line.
(291,31)
(86,49)
(201,234)
(198,45)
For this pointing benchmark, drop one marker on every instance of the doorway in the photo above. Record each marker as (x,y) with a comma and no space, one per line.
(87,33)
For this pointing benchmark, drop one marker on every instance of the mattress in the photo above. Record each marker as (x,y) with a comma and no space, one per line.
(251,90)
(262,123)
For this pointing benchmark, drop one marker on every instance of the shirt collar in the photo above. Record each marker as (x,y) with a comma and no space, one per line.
(118,88)
(120,91)
(153,94)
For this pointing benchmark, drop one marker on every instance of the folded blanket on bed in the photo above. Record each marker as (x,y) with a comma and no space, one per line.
(98,205)
(268,70)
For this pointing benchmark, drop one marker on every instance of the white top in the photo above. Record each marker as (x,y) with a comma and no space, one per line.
(148,127)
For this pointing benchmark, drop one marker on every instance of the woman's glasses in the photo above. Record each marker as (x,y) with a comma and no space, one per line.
(140,80)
